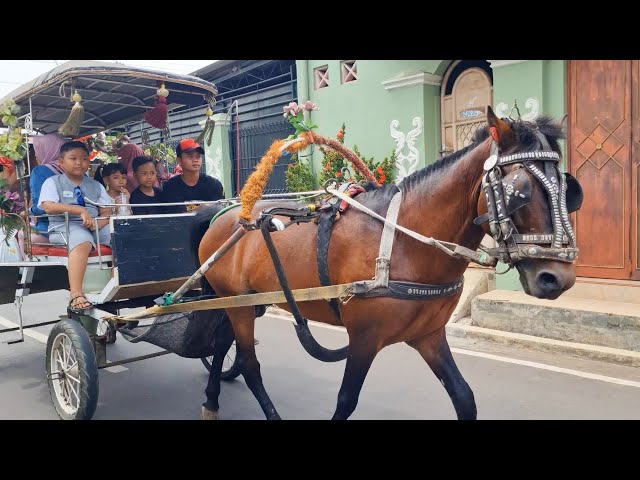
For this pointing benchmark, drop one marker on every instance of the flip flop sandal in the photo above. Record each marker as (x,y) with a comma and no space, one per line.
(79,309)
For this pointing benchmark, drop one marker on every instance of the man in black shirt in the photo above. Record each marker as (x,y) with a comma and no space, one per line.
(191,184)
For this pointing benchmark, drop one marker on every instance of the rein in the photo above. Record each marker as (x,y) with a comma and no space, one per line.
(450,248)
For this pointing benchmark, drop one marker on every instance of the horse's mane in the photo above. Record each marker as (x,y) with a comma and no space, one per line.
(525,136)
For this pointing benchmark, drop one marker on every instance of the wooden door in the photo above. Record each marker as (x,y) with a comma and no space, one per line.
(600,155)
(635,170)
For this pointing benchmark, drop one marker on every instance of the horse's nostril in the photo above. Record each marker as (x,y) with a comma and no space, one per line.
(547,281)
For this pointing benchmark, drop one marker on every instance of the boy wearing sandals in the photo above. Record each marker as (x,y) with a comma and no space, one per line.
(66,193)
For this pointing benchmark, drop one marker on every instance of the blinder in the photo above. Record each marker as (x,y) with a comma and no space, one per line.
(574,193)
(507,194)
(517,192)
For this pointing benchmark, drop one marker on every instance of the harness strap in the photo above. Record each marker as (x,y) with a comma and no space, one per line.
(325,227)
(224,210)
(451,249)
(302,328)
(383,262)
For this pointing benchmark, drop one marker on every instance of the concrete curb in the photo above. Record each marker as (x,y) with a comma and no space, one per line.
(594,352)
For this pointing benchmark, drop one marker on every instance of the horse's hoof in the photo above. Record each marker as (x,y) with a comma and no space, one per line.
(208,414)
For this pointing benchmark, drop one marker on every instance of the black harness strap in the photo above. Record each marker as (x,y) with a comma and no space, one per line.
(409,290)
(325,227)
(309,343)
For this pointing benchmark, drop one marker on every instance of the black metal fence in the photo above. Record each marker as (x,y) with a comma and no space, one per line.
(254,142)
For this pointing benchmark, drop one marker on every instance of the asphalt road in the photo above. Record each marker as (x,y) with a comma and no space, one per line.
(508,382)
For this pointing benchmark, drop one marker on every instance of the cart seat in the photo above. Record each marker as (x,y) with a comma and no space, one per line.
(61,251)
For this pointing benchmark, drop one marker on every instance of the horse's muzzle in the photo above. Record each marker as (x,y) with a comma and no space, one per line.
(546,281)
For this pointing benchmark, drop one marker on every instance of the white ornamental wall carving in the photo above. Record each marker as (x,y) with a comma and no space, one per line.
(406,163)
(532,104)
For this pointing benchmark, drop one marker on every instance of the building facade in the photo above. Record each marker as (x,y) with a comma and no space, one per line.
(424,109)
(247,115)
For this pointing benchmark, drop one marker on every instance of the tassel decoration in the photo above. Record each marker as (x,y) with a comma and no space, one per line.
(206,135)
(157,116)
(71,128)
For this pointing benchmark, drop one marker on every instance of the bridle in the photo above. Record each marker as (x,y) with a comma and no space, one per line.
(507,193)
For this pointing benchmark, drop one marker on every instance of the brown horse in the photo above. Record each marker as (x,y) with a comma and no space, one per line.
(440,201)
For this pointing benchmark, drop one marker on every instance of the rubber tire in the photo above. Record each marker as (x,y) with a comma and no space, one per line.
(87,369)
(232,372)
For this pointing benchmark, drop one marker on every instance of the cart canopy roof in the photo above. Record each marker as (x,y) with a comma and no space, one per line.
(112,94)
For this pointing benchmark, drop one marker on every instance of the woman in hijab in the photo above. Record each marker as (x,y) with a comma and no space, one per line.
(126,155)
(47,150)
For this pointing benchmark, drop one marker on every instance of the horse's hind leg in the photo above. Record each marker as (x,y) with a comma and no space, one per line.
(361,355)
(243,321)
(434,348)
(224,339)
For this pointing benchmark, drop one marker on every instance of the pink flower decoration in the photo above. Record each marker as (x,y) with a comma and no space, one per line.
(309,106)
(291,109)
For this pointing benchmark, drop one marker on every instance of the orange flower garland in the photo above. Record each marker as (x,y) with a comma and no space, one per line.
(253,188)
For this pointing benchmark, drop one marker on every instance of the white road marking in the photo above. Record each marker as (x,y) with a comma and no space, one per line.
(42,338)
(552,368)
(498,358)
(116,369)
(28,332)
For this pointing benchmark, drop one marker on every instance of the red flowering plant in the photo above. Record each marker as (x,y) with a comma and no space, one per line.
(333,164)
(13,148)
(384,171)
(10,203)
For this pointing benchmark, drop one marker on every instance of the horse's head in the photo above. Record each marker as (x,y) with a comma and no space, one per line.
(527,203)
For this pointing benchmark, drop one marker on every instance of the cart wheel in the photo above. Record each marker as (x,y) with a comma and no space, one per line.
(72,372)
(230,368)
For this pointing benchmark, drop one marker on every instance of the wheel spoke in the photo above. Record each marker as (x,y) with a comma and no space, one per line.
(67,350)
(72,360)
(65,392)
(59,360)
(75,394)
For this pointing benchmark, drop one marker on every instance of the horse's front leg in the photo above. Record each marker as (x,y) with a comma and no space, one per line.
(243,322)
(361,355)
(224,339)
(435,350)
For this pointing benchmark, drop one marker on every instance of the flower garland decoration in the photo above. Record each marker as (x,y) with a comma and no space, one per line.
(13,148)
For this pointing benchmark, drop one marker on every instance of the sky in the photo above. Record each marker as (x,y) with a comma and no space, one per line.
(14,73)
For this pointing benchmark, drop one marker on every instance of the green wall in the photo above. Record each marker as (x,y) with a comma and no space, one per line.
(543,81)
(368,108)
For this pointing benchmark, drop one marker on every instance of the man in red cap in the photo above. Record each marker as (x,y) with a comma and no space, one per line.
(191,184)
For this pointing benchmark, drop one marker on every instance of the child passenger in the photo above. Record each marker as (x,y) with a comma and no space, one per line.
(114,178)
(144,170)
(66,194)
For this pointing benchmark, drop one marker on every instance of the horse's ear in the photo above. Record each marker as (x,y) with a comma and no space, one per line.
(499,130)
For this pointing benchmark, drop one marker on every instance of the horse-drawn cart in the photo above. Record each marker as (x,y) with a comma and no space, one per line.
(148,256)
(507,181)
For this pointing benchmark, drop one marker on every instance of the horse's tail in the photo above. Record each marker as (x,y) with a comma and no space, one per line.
(199,227)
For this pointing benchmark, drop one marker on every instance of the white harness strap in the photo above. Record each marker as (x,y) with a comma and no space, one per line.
(386,243)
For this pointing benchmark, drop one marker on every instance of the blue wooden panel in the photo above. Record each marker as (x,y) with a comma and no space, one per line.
(152,248)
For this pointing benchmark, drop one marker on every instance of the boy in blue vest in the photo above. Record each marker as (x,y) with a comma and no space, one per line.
(66,193)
